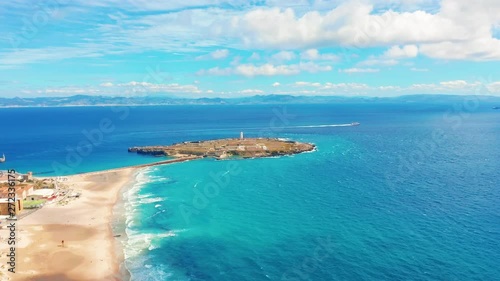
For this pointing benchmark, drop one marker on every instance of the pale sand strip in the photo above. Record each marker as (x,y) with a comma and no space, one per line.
(83,224)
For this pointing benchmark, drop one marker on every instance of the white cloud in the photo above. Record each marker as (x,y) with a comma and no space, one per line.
(220,54)
(254,56)
(314,54)
(372,61)
(276,84)
(144,87)
(483,49)
(454,29)
(346,86)
(251,70)
(315,88)
(450,87)
(311,54)
(396,52)
(494,87)
(351,23)
(391,56)
(69,91)
(29,56)
(283,56)
(216,55)
(251,92)
(133,88)
(360,70)
(307,84)
(460,25)
(419,69)
(455,87)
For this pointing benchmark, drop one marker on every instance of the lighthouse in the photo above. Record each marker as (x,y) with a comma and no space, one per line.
(241,135)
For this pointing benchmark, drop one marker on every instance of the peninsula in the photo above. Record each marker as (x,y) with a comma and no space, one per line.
(225,148)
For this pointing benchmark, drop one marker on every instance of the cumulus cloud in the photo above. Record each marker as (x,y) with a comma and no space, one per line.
(483,49)
(453,29)
(328,88)
(460,25)
(145,87)
(314,54)
(251,70)
(454,87)
(251,92)
(254,56)
(307,84)
(494,87)
(419,69)
(283,56)
(359,70)
(372,61)
(216,55)
(350,24)
(396,52)
(391,56)
(276,84)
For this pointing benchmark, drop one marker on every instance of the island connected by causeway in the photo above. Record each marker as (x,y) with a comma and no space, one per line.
(225,148)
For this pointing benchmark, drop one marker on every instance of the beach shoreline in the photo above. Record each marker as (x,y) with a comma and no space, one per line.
(93,228)
(119,223)
(90,251)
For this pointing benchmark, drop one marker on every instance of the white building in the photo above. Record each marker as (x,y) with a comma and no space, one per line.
(43,193)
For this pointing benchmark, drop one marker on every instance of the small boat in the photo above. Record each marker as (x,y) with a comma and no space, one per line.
(2,159)
(355,124)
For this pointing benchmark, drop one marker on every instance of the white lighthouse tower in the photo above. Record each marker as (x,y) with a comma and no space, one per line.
(241,135)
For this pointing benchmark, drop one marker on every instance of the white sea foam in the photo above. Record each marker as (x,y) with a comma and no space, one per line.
(151,200)
(311,151)
(139,242)
(158,179)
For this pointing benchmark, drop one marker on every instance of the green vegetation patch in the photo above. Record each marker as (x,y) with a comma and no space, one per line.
(33,203)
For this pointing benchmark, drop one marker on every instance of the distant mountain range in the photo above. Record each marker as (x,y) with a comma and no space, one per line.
(84,100)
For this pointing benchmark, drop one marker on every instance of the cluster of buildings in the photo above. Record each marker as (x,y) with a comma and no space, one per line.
(24,189)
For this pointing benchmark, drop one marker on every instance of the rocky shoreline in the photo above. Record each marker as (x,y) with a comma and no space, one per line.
(225,148)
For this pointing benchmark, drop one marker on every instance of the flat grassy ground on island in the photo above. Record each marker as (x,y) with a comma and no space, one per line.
(249,147)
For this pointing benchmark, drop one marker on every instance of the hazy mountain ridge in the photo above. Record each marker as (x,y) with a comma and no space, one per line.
(84,100)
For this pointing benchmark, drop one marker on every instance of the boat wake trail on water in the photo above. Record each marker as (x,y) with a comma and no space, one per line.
(326,126)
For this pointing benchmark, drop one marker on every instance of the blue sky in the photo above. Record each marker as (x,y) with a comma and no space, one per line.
(199,48)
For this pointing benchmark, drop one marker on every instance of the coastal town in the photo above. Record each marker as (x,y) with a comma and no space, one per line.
(60,226)
(32,193)
(22,194)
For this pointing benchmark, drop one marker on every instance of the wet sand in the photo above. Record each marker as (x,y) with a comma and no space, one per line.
(84,224)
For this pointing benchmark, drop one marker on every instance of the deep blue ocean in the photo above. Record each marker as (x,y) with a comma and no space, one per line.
(413,193)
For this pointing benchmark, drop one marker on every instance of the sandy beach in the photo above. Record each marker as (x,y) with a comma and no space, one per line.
(89,251)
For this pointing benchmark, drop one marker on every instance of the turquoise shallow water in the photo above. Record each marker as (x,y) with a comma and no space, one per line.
(411,194)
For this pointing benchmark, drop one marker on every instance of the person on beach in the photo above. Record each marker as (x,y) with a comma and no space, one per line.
(62,242)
